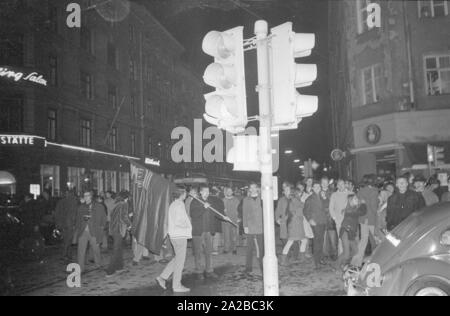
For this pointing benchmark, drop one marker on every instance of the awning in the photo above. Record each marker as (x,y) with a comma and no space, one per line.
(6,178)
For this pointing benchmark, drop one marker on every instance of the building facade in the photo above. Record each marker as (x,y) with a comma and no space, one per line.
(77,104)
(390,85)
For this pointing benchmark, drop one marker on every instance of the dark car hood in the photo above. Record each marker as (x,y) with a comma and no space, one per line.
(414,230)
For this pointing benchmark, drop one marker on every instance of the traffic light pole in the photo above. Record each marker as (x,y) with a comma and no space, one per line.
(270,261)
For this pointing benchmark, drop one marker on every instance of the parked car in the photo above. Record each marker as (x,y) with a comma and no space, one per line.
(413,260)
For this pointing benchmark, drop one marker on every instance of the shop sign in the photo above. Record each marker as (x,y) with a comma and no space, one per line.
(152,162)
(17,76)
(35,189)
(18,140)
(373,134)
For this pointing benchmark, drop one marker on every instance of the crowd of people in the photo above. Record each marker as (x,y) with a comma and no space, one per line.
(328,222)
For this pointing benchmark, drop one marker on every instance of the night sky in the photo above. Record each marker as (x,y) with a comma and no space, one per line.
(190,20)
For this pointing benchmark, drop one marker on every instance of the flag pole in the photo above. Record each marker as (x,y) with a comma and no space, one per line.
(215,211)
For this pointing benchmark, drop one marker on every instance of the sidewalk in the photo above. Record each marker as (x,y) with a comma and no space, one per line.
(298,279)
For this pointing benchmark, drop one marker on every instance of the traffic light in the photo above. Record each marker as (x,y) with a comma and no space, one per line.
(244,153)
(439,156)
(226,107)
(289,106)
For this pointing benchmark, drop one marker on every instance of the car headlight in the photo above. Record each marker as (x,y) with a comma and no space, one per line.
(445,238)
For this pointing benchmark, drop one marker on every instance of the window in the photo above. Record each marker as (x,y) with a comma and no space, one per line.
(124,181)
(150,109)
(362,15)
(53,61)
(437,73)
(53,19)
(371,84)
(87,40)
(86,133)
(111,181)
(133,144)
(150,147)
(87,86)
(133,71)
(112,57)
(50,179)
(113,139)
(432,8)
(131,32)
(11,114)
(51,124)
(133,108)
(112,96)
(11,49)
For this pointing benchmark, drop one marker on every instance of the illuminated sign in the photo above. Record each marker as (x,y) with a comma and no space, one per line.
(17,140)
(18,76)
(152,162)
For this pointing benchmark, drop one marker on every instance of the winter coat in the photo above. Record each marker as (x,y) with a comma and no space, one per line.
(203,219)
(400,206)
(217,204)
(295,226)
(314,210)
(231,208)
(350,224)
(252,213)
(96,223)
(180,226)
(281,214)
(119,220)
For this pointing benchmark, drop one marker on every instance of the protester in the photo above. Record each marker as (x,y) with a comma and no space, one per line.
(338,203)
(368,194)
(66,217)
(429,196)
(119,225)
(402,203)
(331,238)
(316,215)
(381,229)
(309,184)
(230,233)
(295,227)
(203,225)
(193,192)
(281,212)
(252,212)
(350,186)
(218,205)
(91,221)
(349,229)
(179,231)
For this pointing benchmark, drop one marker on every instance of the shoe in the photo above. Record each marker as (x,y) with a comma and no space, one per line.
(308,256)
(161,282)
(181,289)
(146,258)
(164,261)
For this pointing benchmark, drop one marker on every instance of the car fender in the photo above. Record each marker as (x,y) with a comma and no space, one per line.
(412,270)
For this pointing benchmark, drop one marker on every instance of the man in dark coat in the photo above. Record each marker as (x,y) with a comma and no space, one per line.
(402,203)
(90,225)
(66,215)
(218,205)
(316,214)
(203,226)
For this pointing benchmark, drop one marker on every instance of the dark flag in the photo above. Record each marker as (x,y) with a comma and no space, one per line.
(151,198)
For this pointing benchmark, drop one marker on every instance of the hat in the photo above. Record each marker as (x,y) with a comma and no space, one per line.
(419,178)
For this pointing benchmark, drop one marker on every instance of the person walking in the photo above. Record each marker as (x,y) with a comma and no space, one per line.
(230,233)
(338,203)
(66,217)
(349,229)
(402,203)
(179,232)
(296,232)
(316,215)
(368,194)
(119,225)
(90,225)
(252,213)
(203,226)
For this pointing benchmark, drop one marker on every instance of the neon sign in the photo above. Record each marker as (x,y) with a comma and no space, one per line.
(152,162)
(17,76)
(16,140)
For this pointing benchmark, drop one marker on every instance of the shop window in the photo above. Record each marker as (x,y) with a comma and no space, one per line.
(97,181)
(432,8)
(50,179)
(110,181)
(75,178)
(124,181)
(437,72)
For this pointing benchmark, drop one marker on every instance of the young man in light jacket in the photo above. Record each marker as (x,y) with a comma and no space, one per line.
(180,230)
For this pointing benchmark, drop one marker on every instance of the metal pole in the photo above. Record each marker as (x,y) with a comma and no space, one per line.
(270,261)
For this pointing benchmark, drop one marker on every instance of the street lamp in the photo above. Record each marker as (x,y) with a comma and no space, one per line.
(288,151)
(297,161)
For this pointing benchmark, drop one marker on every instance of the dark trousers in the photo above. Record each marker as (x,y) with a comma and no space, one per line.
(68,234)
(319,234)
(254,243)
(116,262)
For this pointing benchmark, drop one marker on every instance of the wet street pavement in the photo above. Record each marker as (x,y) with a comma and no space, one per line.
(48,277)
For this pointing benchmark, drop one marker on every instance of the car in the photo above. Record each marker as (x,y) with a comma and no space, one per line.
(413,260)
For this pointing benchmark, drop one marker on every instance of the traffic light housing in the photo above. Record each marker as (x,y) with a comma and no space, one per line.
(289,106)
(439,156)
(226,107)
